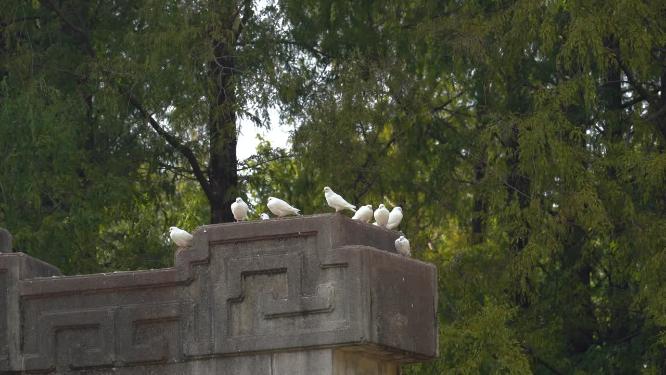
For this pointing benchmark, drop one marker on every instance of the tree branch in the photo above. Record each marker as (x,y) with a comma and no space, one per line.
(180,172)
(445,104)
(634,101)
(541,361)
(4,24)
(246,10)
(134,101)
(655,115)
(312,49)
(262,162)
(632,79)
(173,141)
(82,32)
(360,176)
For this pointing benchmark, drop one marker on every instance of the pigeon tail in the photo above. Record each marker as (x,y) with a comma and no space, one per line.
(351,208)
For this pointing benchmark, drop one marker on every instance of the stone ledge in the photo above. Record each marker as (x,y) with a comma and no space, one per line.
(281,285)
(5,241)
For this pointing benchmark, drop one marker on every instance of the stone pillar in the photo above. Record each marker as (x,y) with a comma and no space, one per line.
(14,267)
(319,294)
(5,241)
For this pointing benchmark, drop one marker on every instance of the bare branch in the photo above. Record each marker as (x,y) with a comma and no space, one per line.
(633,101)
(515,189)
(632,79)
(260,163)
(180,172)
(446,103)
(173,141)
(312,49)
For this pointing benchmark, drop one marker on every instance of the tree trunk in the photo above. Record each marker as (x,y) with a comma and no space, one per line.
(579,321)
(222,169)
(660,118)
(618,296)
(479,209)
(518,187)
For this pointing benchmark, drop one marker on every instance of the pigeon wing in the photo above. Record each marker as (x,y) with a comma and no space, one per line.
(381,216)
(394,219)
(336,201)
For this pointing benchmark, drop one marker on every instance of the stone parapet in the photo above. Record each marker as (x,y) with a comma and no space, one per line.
(315,294)
(5,241)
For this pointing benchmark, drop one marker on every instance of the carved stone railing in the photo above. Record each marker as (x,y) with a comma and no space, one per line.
(309,295)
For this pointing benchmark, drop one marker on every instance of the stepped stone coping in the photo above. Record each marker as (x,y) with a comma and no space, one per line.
(320,285)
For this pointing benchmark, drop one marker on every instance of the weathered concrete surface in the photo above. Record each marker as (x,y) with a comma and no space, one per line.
(314,295)
(14,268)
(5,241)
(306,362)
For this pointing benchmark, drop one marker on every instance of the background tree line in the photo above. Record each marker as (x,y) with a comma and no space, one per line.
(524,140)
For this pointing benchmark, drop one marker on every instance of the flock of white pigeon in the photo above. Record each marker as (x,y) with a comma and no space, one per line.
(280,208)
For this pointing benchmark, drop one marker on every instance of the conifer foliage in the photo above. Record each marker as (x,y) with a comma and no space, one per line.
(525,141)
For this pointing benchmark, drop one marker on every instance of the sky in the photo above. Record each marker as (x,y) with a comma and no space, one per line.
(277,135)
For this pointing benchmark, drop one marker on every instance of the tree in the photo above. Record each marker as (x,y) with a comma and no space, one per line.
(525,141)
(134,102)
(203,68)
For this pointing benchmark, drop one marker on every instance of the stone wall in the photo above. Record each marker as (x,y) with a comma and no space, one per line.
(308,295)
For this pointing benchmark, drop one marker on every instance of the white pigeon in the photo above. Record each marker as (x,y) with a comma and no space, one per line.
(381,216)
(395,217)
(264,216)
(402,245)
(334,200)
(364,213)
(281,208)
(239,208)
(180,237)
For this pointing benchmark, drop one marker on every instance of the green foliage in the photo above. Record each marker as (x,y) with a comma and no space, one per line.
(524,139)
(86,182)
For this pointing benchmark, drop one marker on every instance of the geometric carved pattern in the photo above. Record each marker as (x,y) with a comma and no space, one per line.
(241,289)
(102,337)
(151,333)
(4,344)
(264,297)
(87,337)
(322,302)
(294,303)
